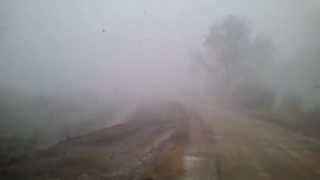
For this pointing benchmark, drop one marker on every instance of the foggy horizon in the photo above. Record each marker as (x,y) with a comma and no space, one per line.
(101,47)
(159,89)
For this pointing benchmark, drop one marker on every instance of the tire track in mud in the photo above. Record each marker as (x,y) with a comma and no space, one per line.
(201,158)
(224,147)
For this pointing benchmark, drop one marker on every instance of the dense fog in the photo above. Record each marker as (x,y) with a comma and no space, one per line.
(72,66)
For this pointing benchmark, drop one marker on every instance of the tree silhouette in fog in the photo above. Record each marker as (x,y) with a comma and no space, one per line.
(237,57)
(236,49)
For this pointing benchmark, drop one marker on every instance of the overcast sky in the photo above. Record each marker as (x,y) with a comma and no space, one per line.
(114,45)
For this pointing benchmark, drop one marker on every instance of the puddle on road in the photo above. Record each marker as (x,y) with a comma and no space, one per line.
(198,167)
(190,161)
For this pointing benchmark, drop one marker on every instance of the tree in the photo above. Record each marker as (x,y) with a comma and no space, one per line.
(236,49)
(236,55)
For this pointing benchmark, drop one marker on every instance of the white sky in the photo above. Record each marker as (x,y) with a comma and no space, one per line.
(59,44)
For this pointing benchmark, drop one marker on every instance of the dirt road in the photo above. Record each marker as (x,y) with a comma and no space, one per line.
(200,155)
(168,141)
(232,146)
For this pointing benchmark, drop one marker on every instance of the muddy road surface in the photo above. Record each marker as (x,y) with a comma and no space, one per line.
(168,141)
(249,148)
